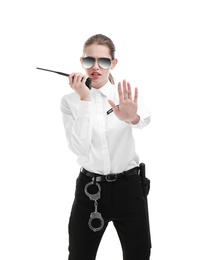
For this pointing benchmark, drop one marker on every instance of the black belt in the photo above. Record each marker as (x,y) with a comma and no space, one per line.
(112,176)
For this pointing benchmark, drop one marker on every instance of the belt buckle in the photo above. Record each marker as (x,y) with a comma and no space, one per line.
(109,177)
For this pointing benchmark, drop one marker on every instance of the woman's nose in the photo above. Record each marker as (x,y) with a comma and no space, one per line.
(95,65)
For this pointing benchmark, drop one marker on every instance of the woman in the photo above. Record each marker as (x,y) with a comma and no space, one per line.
(99,126)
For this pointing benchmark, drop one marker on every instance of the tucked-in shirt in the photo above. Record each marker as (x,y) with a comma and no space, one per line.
(103,143)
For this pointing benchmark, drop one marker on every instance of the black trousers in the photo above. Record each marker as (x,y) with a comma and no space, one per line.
(121,202)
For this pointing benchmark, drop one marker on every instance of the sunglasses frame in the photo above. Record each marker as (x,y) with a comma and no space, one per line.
(98,62)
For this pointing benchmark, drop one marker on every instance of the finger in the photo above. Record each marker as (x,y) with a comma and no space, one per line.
(136,95)
(83,79)
(120,94)
(78,78)
(129,91)
(71,76)
(112,104)
(125,92)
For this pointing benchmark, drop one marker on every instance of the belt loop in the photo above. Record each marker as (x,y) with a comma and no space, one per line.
(94,179)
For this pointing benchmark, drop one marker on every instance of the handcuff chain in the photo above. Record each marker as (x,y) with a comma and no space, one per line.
(95,204)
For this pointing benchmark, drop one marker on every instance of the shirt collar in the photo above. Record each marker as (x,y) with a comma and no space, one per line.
(105,90)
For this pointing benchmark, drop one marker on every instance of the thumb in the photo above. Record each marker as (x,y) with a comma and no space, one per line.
(112,104)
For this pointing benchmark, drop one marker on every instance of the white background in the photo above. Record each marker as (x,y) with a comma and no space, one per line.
(157,48)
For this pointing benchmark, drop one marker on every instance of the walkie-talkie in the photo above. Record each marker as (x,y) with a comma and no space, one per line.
(88,81)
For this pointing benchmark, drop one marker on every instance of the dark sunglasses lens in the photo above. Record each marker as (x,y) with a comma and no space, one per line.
(105,63)
(88,62)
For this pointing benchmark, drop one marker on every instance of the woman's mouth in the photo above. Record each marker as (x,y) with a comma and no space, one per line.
(95,75)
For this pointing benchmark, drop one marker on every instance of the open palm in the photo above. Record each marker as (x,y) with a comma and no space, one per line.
(127,110)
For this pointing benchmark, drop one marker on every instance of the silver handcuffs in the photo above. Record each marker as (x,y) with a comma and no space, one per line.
(94,215)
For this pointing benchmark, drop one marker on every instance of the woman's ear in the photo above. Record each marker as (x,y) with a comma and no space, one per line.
(114,62)
(81,61)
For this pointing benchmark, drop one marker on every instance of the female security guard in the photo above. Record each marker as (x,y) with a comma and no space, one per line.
(99,126)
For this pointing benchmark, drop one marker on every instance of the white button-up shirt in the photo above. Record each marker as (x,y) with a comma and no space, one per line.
(103,143)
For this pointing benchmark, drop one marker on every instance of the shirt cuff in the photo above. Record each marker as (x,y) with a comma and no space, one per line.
(142,123)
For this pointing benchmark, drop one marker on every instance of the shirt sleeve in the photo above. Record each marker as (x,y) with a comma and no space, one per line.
(78,125)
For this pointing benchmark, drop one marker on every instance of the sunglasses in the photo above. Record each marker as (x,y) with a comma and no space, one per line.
(88,62)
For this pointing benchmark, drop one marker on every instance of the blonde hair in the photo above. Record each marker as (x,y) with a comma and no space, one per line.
(101,39)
